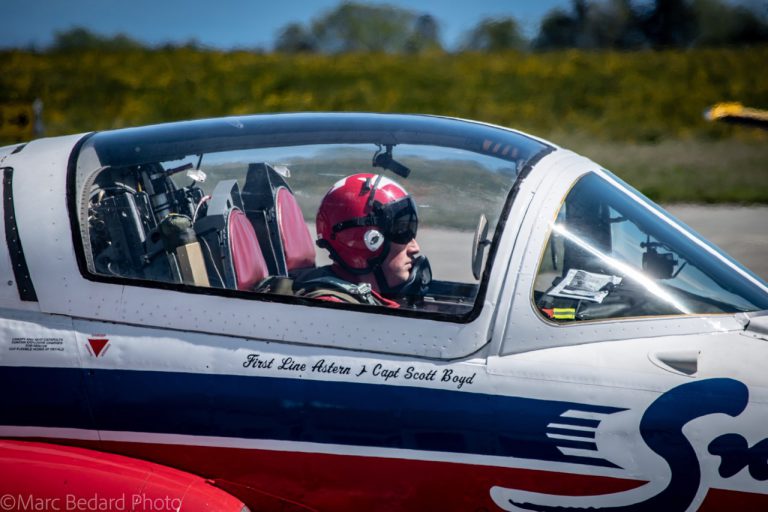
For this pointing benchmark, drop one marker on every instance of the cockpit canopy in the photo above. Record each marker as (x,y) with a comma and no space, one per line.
(613,254)
(230,204)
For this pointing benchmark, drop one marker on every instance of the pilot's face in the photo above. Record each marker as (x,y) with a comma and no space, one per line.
(397,265)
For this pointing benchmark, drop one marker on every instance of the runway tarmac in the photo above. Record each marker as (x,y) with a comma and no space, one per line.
(740,231)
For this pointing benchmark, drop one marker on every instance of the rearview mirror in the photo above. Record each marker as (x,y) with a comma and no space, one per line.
(479,243)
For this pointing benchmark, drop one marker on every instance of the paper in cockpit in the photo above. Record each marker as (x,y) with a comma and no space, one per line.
(583,285)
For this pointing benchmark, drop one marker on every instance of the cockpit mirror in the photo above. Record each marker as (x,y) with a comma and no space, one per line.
(659,265)
(385,160)
(479,243)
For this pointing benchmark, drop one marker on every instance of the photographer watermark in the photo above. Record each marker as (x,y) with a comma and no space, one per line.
(70,502)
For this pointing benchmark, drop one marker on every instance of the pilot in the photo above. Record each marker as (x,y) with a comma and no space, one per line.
(368,223)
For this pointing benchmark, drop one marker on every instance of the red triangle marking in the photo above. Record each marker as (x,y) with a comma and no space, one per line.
(97,345)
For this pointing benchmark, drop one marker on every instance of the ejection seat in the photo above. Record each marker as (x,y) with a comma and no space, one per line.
(276,216)
(230,246)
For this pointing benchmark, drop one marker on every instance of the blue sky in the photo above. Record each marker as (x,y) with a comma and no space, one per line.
(230,24)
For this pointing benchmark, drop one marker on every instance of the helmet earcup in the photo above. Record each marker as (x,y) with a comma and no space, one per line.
(373,240)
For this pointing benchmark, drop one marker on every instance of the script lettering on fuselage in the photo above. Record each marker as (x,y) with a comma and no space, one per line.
(450,376)
(389,373)
(385,373)
(330,367)
(412,373)
(291,365)
(253,361)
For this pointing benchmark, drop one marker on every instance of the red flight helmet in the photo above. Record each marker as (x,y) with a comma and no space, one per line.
(360,216)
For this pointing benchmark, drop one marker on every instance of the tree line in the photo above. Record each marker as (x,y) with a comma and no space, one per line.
(587,24)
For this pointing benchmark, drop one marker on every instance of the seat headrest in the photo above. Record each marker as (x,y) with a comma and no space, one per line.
(247,258)
(298,246)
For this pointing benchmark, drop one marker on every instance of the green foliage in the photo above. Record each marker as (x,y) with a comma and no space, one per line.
(722,24)
(80,39)
(670,23)
(590,24)
(628,24)
(692,171)
(494,35)
(620,100)
(294,38)
(358,27)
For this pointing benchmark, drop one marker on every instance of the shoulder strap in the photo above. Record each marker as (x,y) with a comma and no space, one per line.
(280,285)
(330,286)
(322,293)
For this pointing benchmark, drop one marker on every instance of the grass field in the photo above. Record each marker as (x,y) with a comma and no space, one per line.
(691,171)
(638,114)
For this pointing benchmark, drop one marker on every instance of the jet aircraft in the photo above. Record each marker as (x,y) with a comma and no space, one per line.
(568,346)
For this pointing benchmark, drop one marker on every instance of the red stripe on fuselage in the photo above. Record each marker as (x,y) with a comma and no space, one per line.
(296,481)
(355,483)
(718,500)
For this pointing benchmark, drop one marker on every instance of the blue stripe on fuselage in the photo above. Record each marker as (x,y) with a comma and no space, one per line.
(289,410)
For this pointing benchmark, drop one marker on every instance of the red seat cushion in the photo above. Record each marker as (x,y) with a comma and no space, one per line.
(298,246)
(249,263)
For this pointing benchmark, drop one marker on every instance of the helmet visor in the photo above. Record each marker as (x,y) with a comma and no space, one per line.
(400,221)
(397,220)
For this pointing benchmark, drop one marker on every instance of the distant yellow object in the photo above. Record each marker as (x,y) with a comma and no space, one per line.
(737,113)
